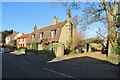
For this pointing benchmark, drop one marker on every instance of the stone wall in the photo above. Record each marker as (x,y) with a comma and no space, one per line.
(60,51)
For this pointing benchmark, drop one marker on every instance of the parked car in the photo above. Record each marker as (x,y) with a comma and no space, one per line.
(104,50)
(4,50)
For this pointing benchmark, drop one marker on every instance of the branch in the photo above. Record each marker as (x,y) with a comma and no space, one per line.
(94,12)
(106,6)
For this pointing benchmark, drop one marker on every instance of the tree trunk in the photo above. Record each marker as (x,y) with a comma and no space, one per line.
(111,17)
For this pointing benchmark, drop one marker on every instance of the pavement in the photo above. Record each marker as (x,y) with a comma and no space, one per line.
(17,53)
(32,66)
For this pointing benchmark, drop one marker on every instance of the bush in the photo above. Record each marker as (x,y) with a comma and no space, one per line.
(21,48)
(40,52)
(34,46)
(73,52)
(54,46)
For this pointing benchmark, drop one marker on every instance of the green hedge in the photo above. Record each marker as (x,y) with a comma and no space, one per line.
(22,48)
(40,52)
(35,46)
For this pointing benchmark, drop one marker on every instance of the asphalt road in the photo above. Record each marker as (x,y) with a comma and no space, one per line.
(32,66)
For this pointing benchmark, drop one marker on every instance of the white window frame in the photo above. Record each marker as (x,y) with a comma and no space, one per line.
(33,36)
(53,33)
(41,35)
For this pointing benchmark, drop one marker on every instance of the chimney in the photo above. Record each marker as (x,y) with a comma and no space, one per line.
(22,33)
(69,16)
(34,28)
(55,20)
(69,26)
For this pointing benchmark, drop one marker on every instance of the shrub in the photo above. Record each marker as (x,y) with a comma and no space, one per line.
(73,52)
(40,52)
(34,46)
(55,45)
(21,48)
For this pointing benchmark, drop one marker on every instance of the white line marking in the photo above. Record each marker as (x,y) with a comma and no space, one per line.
(57,72)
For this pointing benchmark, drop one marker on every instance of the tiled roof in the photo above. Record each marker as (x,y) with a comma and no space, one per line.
(12,34)
(47,32)
(24,36)
(51,27)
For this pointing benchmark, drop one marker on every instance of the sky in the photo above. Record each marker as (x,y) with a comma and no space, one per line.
(23,16)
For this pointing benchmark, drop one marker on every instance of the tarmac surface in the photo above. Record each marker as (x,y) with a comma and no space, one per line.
(33,66)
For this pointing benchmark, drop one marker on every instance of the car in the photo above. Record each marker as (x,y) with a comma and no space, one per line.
(4,50)
(104,50)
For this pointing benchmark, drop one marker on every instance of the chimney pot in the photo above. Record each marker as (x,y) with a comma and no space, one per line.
(54,17)
(68,10)
(55,20)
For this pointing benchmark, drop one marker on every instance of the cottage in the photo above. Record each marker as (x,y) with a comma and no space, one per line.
(13,36)
(22,40)
(59,32)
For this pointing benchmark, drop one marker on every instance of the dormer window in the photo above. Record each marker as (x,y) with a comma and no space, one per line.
(41,35)
(53,32)
(33,36)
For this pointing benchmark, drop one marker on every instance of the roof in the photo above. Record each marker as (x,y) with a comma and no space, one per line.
(12,34)
(24,36)
(47,33)
(51,27)
(1,44)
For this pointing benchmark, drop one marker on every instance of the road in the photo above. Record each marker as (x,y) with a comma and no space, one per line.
(32,66)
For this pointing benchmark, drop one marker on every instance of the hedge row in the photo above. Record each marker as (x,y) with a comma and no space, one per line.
(40,52)
(22,48)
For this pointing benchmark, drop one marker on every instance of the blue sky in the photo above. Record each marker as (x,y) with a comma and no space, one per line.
(22,16)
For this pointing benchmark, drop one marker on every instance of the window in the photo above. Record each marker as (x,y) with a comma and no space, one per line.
(19,40)
(23,39)
(19,45)
(41,35)
(53,32)
(23,45)
(33,36)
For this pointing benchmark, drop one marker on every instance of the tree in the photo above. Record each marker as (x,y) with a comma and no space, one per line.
(78,36)
(106,12)
(5,34)
(13,43)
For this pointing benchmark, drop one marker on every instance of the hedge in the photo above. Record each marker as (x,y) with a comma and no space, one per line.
(35,46)
(22,48)
(40,52)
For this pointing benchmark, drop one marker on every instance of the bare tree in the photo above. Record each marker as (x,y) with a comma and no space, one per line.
(78,36)
(103,11)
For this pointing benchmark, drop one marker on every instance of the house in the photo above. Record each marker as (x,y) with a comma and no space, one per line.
(58,32)
(13,36)
(22,40)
